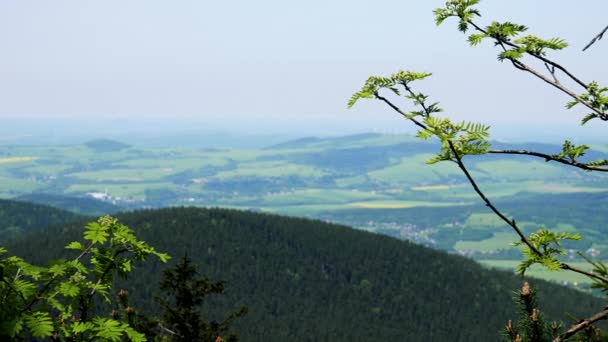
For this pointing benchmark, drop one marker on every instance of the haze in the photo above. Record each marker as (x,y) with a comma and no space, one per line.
(275,66)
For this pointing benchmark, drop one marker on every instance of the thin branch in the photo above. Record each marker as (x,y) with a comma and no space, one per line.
(524,67)
(550,65)
(86,301)
(555,83)
(489,204)
(549,157)
(551,70)
(416,122)
(52,280)
(582,325)
(542,58)
(567,267)
(162,327)
(10,286)
(596,38)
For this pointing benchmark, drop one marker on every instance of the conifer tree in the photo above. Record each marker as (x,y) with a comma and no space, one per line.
(185,292)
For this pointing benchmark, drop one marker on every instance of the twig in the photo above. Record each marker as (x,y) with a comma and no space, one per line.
(551,70)
(549,157)
(416,122)
(510,222)
(168,330)
(582,325)
(522,66)
(542,58)
(10,286)
(596,38)
(489,204)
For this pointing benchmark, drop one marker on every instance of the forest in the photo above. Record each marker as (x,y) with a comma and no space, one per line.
(305,280)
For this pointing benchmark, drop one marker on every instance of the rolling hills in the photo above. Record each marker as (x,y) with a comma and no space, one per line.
(369,181)
(305,280)
(19,218)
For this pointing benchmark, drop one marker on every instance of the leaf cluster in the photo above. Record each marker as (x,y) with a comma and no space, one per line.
(467,138)
(546,246)
(595,96)
(462,9)
(55,301)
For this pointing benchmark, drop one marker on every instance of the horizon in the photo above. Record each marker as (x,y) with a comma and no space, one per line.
(224,64)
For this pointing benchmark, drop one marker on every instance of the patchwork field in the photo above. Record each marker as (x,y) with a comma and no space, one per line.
(374,182)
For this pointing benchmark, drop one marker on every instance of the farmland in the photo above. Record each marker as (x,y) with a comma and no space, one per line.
(373,182)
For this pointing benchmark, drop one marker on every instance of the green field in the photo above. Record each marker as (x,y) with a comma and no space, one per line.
(537,271)
(374,182)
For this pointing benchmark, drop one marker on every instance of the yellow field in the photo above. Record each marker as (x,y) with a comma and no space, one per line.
(401,204)
(16,159)
(431,187)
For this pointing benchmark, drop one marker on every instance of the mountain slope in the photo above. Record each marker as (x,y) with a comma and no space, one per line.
(17,218)
(307,280)
(82,205)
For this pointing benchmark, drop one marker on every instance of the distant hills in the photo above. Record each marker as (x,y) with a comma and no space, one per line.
(105,145)
(81,205)
(370,181)
(305,280)
(19,218)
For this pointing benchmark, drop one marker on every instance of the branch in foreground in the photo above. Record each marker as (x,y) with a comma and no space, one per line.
(596,38)
(489,204)
(549,157)
(555,83)
(582,325)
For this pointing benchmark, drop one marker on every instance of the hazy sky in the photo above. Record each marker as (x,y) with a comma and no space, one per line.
(288,62)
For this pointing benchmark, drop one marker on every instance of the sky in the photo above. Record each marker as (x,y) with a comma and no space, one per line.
(273,65)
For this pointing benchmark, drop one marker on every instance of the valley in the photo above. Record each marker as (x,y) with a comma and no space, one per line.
(377,183)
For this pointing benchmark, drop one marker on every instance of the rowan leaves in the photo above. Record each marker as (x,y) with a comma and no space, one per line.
(29,294)
(547,247)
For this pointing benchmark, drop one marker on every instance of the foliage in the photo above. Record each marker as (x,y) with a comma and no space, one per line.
(547,243)
(185,293)
(531,325)
(18,218)
(543,246)
(57,301)
(309,280)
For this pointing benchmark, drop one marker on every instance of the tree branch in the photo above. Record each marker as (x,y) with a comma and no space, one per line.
(549,157)
(52,280)
(596,38)
(489,204)
(582,325)
(510,222)
(416,122)
(542,58)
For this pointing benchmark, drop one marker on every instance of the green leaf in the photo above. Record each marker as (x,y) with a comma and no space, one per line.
(135,336)
(96,233)
(75,245)
(69,289)
(80,327)
(40,324)
(109,329)
(58,269)
(164,257)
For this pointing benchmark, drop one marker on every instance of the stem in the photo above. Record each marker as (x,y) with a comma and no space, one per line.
(555,83)
(52,280)
(416,122)
(582,325)
(596,38)
(549,157)
(489,204)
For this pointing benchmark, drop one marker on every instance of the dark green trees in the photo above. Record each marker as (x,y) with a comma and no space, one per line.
(184,293)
